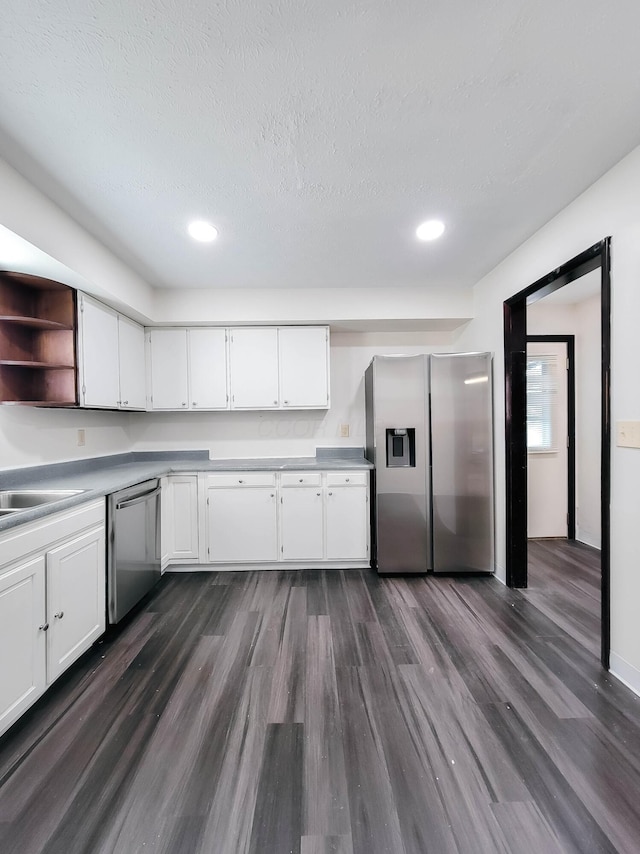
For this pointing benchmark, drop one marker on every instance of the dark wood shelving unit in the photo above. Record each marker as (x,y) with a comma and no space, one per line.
(38,359)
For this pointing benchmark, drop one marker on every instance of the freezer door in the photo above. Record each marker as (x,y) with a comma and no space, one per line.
(462,462)
(397,443)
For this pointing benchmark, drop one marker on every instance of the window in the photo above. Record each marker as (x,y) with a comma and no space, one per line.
(541,403)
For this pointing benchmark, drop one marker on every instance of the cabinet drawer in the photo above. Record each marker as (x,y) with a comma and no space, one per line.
(347,478)
(242,479)
(43,533)
(301,479)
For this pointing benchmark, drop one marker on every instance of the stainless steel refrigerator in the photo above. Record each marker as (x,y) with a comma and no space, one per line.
(429,434)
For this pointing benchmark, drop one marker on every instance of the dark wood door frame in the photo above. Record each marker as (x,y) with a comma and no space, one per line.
(596,257)
(570,341)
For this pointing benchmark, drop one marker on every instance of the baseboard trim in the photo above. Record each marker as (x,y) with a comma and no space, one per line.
(625,672)
(250,567)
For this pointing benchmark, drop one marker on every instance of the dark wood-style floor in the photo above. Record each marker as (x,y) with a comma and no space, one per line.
(313,712)
(564,583)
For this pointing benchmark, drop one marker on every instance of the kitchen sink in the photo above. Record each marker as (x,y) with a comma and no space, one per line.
(14,500)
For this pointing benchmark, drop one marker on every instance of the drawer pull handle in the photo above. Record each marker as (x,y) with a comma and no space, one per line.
(301,480)
(331,493)
(44,627)
(59,615)
(241,481)
(347,480)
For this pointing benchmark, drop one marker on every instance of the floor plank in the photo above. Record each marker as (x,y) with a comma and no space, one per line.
(336,712)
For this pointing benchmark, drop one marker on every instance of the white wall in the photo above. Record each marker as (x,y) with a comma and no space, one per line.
(435,310)
(610,207)
(30,436)
(31,215)
(588,417)
(257,434)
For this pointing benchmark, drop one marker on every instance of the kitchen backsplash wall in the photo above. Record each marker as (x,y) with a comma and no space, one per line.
(31,436)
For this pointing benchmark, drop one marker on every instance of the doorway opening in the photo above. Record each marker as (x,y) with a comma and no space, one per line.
(551,436)
(597,257)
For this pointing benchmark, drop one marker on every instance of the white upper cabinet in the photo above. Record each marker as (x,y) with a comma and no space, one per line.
(168,369)
(188,368)
(284,367)
(131,361)
(98,356)
(111,358)
(304,366)
(208,369)
(199,368)
(253,355)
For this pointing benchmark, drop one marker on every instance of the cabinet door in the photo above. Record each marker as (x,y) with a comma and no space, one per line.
(22,638)
(304,366)
(98,355)
(76,599)
(208,369)
(253,356)
(131,364)
(301,523)
(182,517)
(347,523)
(168,368)
(242,525)
(166,522)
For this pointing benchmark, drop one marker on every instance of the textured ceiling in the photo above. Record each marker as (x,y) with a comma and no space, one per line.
(316,134)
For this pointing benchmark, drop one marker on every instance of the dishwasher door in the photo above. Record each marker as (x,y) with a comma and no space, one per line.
(134,546)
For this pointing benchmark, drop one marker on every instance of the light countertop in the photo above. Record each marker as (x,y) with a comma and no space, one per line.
(101,476)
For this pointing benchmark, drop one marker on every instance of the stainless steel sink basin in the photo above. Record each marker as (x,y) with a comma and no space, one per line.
(13,500)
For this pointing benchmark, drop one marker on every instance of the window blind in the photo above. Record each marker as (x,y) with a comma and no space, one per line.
(542,394)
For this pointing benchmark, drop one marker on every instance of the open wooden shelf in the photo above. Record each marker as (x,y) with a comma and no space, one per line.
(38,363)
(29,363)
(33,322)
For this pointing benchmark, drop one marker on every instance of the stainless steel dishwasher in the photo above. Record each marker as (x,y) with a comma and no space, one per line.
(133,519)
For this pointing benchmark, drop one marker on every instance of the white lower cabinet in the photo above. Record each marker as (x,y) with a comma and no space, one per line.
(302,523)
(180,540)
(23,674)
(52,602)
(317,518)
(242,521)
(75,599)
(347,523)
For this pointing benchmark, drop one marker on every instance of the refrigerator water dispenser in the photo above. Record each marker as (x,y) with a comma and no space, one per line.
(401,447)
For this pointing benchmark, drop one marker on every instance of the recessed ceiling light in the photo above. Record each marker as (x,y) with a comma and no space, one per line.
(203,231)
(430,230)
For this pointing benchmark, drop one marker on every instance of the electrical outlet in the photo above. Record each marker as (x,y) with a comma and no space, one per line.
(81,437)
(344,431)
